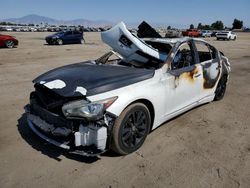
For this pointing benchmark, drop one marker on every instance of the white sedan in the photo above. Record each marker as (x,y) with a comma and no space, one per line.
(115,101)
(226,35)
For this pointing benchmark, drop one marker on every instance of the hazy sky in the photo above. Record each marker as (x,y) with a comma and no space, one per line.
(175,12)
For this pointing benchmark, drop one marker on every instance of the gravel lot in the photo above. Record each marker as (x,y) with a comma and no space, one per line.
(208,146)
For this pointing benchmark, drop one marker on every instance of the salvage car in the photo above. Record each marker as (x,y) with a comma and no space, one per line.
(8,41)
(226,35)
(115,101)
(65,37)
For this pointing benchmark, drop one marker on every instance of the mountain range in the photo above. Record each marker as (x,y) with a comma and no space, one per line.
(37,19)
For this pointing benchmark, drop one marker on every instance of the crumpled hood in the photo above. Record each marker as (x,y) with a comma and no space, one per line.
(87,78)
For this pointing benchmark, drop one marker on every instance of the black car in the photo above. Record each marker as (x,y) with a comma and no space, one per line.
(65,37)
(214,33)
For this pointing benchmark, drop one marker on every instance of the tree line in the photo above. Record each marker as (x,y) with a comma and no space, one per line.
(219,25)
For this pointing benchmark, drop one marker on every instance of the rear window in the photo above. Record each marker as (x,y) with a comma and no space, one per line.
(205,53)
(76,32)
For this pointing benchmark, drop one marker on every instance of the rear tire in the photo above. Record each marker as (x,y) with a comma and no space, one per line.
(9,44)
(82,41)
(221,88)
(131,129)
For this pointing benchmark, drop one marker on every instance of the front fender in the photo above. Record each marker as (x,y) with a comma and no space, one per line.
(147,90)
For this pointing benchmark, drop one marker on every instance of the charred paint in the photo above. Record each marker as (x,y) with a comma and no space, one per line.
(190,76)
(225,68)
(187,74)
(208,81)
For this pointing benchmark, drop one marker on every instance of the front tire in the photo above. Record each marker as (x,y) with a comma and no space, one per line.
(59,42)
(131,129)
(9,44)
(221,88)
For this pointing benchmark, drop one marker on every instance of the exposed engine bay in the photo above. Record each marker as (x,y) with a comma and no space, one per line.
(75,134)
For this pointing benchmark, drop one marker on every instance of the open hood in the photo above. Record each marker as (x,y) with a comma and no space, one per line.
(129,46)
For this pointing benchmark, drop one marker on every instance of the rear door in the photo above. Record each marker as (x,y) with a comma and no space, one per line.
(68,37)
(209,61)
(77,36)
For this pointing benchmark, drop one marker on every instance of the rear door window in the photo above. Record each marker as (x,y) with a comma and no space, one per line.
(76,32)
(203,51)
(68,33)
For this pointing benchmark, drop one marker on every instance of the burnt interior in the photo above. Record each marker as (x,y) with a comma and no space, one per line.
(204,56)
(161,47)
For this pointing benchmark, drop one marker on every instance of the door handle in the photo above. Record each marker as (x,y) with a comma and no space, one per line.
(197,75)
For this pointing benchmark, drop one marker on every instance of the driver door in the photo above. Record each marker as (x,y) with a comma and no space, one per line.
(184,80)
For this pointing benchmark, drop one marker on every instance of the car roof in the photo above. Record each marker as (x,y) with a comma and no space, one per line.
(172,40)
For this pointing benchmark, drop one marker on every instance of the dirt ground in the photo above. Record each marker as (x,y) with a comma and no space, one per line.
(208,146)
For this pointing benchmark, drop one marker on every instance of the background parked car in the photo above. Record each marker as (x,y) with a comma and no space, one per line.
(191,33)
(214,33)
(8,41)
(65,37)
(173,33)
(226,35)
(206,33)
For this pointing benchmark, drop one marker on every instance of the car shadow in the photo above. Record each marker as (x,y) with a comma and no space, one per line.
(55,152)
(45,148)
(68,44)
(176,117)
(3,47)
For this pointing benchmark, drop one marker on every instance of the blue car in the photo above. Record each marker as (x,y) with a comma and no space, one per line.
(65,37)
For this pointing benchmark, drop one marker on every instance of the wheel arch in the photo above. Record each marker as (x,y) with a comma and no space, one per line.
(224,75)
(8,40)
(150,107)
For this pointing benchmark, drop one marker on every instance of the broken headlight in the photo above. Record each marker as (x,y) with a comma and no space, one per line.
(90,110)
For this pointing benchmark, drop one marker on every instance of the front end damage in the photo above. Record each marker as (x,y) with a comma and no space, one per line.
(74,133)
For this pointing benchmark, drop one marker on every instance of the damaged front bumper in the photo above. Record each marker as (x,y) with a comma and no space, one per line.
(88,140)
